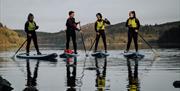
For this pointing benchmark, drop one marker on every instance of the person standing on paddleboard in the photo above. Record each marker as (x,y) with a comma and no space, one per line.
(100,30)
(30,27)
(133,26)
(71,31)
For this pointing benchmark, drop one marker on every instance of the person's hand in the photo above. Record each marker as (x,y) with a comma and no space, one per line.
(29,35)
(78,22)
(97,33)
(136,30)
(37,27)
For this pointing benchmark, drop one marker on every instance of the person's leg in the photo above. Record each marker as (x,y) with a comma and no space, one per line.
(103,35)
(67,40)
(97,40)
(135,38)
(28,44)
(34,36)
(74,42)
(129,40)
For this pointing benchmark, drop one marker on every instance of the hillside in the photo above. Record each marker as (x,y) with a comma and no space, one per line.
(117,36)
(9,38)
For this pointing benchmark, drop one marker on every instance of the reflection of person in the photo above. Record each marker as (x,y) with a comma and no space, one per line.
(100,76)
(133,26)
(100,30)
(30,27)
(133,77)
(31,81)
(71,31)
(71,74)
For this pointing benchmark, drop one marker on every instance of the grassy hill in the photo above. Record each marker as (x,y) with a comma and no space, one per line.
(9,38)
(162,35)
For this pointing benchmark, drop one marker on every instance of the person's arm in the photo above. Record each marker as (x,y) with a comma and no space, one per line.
(107,21)
(95,27)
(36,25)
(26,27)
(127,23)
(138,24)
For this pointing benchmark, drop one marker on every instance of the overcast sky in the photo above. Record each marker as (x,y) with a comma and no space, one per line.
(51,15)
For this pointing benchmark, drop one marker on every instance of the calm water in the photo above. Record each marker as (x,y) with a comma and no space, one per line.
(114,73)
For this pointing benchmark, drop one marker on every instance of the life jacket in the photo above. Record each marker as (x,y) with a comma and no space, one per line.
(132,22)
(31,26)
(100,25)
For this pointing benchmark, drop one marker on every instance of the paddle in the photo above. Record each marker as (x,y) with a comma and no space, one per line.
(19,48)
(91,48)
(82,37)
(154,51)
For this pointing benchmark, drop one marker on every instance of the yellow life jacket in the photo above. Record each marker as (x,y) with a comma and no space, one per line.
(101,82)
(132,22)
(100,25)
(31,26)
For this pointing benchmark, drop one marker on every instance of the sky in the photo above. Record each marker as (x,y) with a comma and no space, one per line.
(51,15)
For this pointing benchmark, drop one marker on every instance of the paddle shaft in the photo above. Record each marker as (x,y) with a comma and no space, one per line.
(82,37)
(20,47)
(146,42)
(83,42)
(92,45)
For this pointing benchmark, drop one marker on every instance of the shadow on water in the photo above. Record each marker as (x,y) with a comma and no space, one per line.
(71,64)
(101,75)
(133,84)
(31,79)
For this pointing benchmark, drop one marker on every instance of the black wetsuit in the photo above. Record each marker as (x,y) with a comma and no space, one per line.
(71,33)
(33,36)
(132,34)
(102,34)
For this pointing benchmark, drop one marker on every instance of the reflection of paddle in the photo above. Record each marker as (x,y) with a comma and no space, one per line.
(154,51)
(19,48)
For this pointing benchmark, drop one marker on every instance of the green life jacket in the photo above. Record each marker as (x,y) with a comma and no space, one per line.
(31,26)
(100,25)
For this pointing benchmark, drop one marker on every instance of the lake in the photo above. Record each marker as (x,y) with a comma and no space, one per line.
(114,73)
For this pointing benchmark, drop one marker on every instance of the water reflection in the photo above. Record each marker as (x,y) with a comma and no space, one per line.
(31,79)
(100,74)
(133,84)
(71,64)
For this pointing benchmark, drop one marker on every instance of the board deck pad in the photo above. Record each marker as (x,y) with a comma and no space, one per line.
(67,55)
(133,55)
(99,54)
(35,56)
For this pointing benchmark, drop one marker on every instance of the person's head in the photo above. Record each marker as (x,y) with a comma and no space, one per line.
(132,14)
(30,17)
(99,16)
(71,13)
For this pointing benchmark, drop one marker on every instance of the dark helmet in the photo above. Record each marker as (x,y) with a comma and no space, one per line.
(134,13)
(99,14)
(70,12)
(30,15)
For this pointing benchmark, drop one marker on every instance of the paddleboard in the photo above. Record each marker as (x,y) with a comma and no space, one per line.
(99,54)
(35,56)
(133,55)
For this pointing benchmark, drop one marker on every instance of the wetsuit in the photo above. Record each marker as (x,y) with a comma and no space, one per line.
(100,28)
(133,25)
(71,33)
(30,28)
